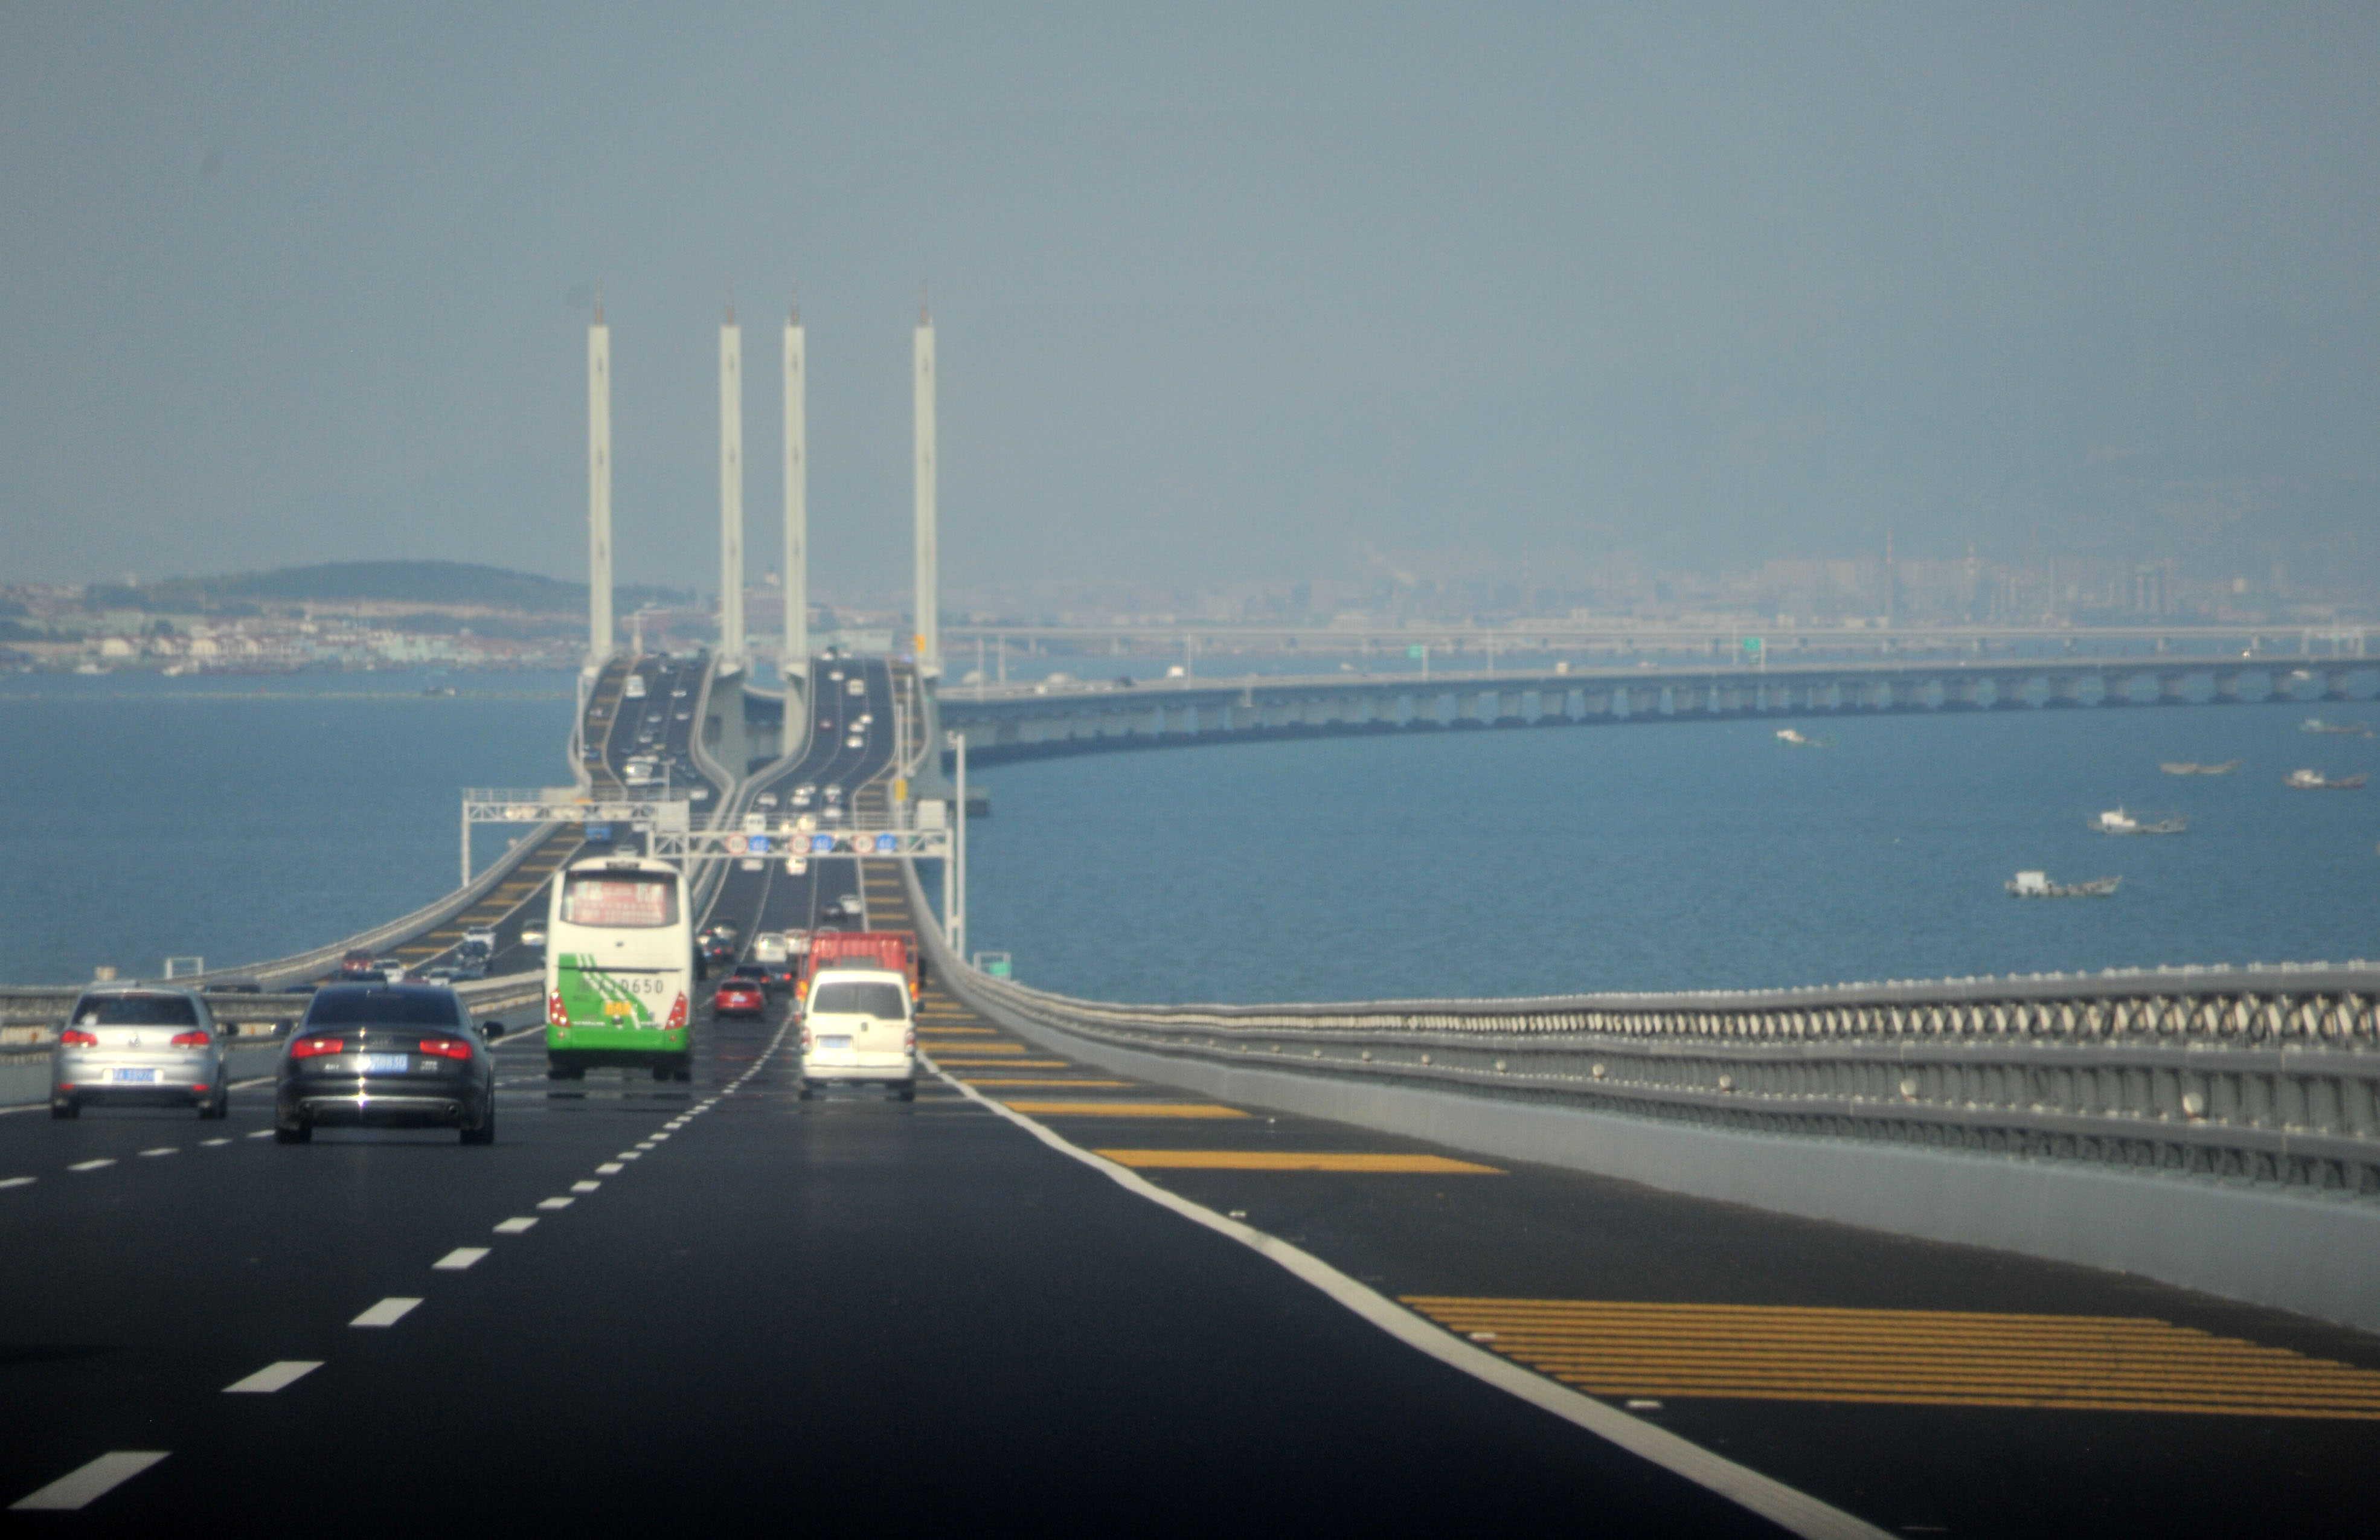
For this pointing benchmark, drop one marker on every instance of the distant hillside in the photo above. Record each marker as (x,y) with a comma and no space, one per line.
(372,582)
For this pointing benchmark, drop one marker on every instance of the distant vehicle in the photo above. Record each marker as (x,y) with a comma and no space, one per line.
(750,863)
(376,1057)
(534,936)
(231,987)
(683,716)
(866,718)
(796,866)
(757,972)
(835,673)
(359,964)
(834,793)
(635,687)
(858,1030)
(739,997)
(479,938)
(856,687)
(699,793)
(756,823)
(766,799)
(678,694)
(619,969)
(639,772)
(443,973)
(857,740)
(771,946)
(139,1046)
(2315,781)
(470,967)
(831,812)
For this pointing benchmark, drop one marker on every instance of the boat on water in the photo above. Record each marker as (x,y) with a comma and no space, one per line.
(2344,729)
(2315,781)
(1793,739)
(2116,820)
(2191,767)
(2037,884)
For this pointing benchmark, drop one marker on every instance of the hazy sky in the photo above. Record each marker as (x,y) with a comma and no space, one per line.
(1223,291)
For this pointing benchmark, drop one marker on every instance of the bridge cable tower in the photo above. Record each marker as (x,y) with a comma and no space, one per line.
(794,652)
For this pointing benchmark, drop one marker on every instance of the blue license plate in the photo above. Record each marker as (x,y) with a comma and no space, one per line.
(138,1077)
(383,1063)
(832,1044)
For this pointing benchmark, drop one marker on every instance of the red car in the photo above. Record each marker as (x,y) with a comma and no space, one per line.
(739,997)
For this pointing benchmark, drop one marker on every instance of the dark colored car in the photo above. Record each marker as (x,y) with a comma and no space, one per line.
(388,1056)
(776,978)
(739,997)
(757,972)
(359,964)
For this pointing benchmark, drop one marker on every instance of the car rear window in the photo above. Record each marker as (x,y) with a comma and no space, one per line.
(383,1008)
(137,1011)
(885,1002)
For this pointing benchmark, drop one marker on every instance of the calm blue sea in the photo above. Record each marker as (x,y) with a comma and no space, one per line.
(240,820)
(1671,856)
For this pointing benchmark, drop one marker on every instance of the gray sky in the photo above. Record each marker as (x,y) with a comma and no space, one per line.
(1223,293)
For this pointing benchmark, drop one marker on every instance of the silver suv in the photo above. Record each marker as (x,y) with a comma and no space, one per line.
(139,1044)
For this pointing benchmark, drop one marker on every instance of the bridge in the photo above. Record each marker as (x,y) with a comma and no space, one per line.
(2059,1255)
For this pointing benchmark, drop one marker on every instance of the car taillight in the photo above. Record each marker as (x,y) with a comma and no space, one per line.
(909,1039)
(447,1047)
(74,1037)
(314,1048)
(192,1039)
(809,1042)
(678,1013)
(555,1014)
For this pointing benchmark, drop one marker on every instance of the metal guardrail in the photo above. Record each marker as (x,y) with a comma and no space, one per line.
(31,1014)
(2265,1076)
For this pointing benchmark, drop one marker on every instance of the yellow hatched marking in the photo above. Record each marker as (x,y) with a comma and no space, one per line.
(988,1048)
(1290,1160)
(1907,1357)
(1005,1064)
(1045,1080)
(1123,1110)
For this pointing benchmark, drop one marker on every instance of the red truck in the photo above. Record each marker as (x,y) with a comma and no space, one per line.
(894,949)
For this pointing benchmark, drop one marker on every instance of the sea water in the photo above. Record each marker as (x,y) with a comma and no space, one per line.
(239,819)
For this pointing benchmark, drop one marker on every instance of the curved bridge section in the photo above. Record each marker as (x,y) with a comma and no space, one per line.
(1028,721)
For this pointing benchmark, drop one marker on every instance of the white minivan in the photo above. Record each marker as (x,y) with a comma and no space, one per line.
(856,1030)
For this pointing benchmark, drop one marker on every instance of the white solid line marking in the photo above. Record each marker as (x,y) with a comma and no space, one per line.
(516,1227)
(17,1181)
(388,1312)
(555,1203)
(459,1258)
(273,1376)
(586,1186)
(210,1142)
(1784,1506)
(92,1165)
(103,1475)
(163,1149)
(262,1134)
(610,1168)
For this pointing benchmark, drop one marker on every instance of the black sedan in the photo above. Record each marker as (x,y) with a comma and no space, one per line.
(386,1055)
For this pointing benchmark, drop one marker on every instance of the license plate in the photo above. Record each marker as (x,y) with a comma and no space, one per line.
(143,1077)
(834,1042)
(383,1063)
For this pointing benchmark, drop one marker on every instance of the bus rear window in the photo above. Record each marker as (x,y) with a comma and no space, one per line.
(619,902)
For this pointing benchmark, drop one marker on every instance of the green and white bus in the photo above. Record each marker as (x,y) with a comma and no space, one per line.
(619,969)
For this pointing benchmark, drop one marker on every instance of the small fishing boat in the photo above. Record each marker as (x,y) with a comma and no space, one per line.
(2344,729)
(2191,767)
(2037,884)
(2115,820)
(2315,781)
(1793,739)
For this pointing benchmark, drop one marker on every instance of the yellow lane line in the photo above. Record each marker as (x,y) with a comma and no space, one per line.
(1123,1110)
(1046,1080)
(1003,1064)
(1287,1161)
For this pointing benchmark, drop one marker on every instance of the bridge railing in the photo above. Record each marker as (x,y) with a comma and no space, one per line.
(2261,1076)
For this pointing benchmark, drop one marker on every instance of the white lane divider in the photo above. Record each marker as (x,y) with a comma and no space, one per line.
(163,1149)
(273,1376)
(262,1134)
(1787,1507)
(586,1186)
(92,1165)
(80,1487)
(458,1259)
(209,1144)
(15,1182)
(388,1312)
(610,1168)
(555,1203)
(517,1226)
(628,1155)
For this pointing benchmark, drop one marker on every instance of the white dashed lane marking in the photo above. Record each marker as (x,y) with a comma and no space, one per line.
(92,1165)
(273,1376)
(516,1226)
(610,1168)
(163,1149)
(78,1487)
(15,1182)
(459,1258)
(586,1186)
(388,1312)
(262,1134)
(555,1203)
(210,1142)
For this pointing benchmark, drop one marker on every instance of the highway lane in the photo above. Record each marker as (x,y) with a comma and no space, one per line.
(749,1309)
